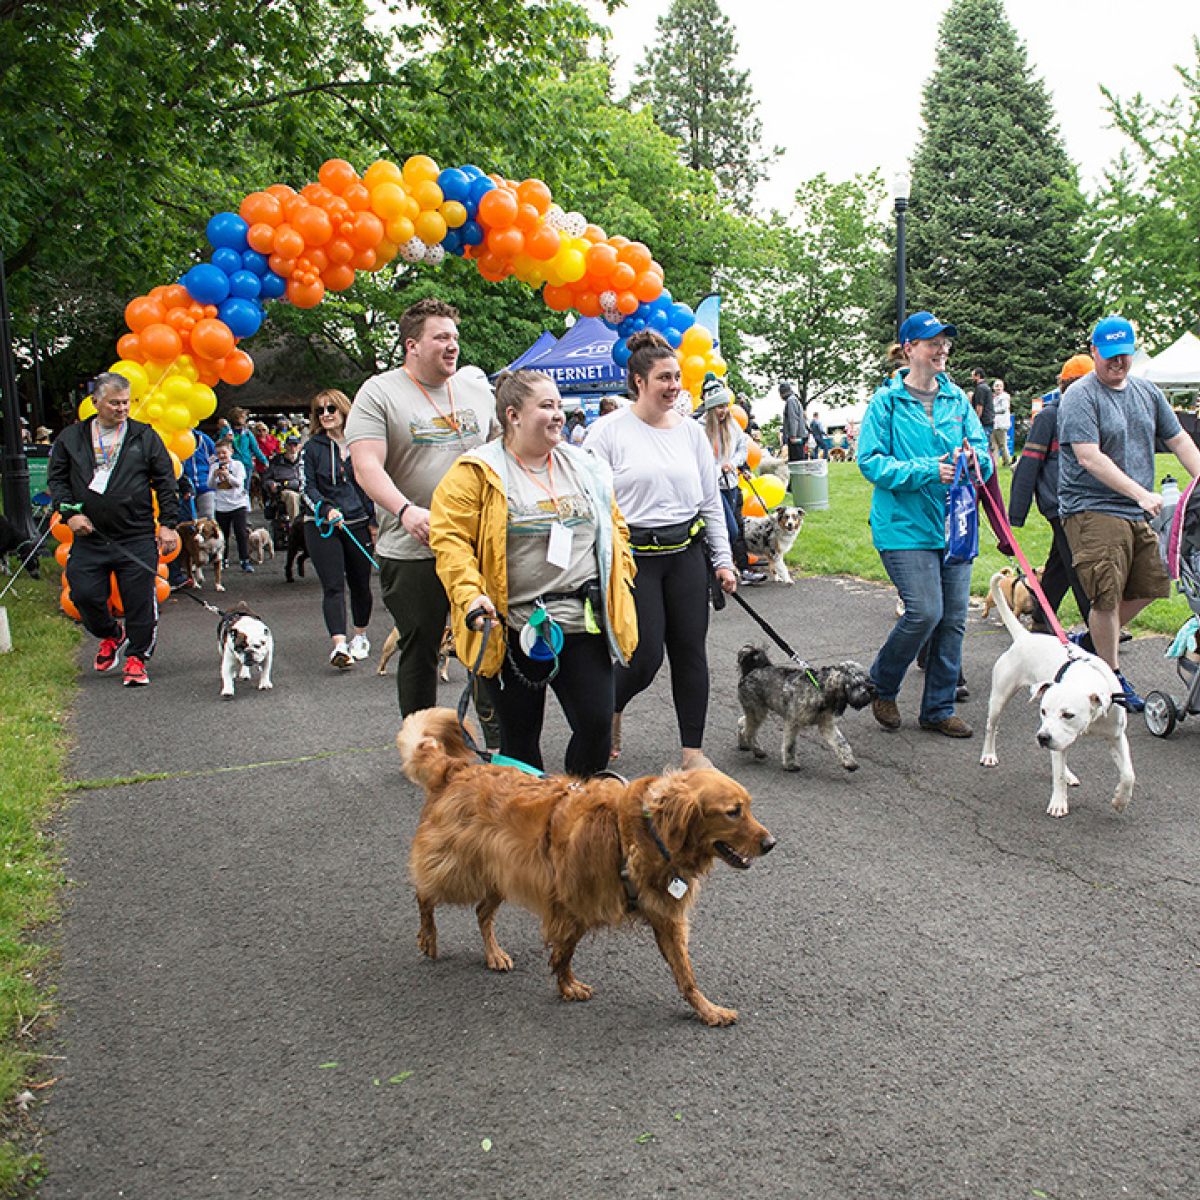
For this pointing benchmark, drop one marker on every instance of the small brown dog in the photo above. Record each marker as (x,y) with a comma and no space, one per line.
(580,854)
(1018,594)
(445,653)
(201,544)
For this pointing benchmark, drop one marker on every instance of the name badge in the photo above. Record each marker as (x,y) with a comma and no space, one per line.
(558,553)
(100,479)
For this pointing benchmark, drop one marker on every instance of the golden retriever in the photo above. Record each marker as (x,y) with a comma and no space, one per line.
(579,854)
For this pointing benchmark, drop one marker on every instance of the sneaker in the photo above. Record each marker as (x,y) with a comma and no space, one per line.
(954,727)
(886,713)
(1083,640)
(135,672)
(110,648)
(754,577)
(247,568)
(340,657)
(360,647)
(1130,699)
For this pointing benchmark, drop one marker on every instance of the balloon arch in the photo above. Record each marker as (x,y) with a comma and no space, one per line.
(297,246)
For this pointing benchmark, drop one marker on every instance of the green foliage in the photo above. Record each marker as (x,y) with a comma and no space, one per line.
(810,288)
(1146,218)
(995,224)
(701,99)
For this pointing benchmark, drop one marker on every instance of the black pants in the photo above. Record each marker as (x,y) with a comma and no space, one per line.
(1058,575)
(89,568)
(417,601)
(339,563)
(737,527)
(584,687)
(235,521)
(672,611)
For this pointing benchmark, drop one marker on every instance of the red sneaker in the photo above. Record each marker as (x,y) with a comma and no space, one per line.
(135,672)
(110,648)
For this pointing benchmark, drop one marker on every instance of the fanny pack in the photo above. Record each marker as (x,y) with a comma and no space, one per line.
(665,539)
(594,608)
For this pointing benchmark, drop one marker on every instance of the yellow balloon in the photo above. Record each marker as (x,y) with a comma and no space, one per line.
(139,381)
(176,389)
(202,403)
(572,265)
(388,200)
(176,416)
(183,444)
(379,172)
(453,213)
(185,365)
(420,168)
(400,230)
(176,465)
(430,227)
(87,409)
(769,489)
(696,340)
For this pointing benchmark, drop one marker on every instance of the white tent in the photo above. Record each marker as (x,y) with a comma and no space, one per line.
(1178,366)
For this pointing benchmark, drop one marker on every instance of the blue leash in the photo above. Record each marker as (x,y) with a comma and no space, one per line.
(331,525)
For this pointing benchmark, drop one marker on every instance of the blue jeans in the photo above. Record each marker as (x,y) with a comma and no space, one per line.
(935,610)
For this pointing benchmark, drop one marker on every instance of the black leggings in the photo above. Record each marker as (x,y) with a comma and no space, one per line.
(235,520)
(672,611)
(584,687)
(340,562)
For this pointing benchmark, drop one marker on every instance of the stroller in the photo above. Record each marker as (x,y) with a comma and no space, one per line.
(1179,543)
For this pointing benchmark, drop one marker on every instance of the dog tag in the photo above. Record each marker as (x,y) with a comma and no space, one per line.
(558,552)
(677,887)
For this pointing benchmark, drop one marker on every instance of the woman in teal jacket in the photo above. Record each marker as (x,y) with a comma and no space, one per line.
(914,428)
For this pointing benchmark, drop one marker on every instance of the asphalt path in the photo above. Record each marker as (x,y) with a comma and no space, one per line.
(943,991)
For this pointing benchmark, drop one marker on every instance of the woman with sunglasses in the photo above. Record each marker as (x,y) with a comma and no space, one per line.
(337,527)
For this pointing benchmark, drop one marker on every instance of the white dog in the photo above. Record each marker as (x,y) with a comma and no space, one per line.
(772,536)
(245,642)
(260,545)
(1077,692)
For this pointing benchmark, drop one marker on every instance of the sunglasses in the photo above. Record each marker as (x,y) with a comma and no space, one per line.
(328,408)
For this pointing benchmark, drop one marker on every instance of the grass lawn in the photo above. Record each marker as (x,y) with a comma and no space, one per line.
(838,542)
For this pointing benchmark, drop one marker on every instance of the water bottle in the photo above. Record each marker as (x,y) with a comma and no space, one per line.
(1170,491)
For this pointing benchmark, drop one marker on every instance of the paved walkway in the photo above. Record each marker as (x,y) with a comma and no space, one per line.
(944,992)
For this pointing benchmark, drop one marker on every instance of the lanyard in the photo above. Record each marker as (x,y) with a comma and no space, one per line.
(453,417)
(104,455)
(549,472)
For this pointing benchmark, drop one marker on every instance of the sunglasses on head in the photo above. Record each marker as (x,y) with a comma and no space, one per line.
(328,408)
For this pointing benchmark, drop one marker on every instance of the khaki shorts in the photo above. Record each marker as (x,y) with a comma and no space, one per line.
(1116,559)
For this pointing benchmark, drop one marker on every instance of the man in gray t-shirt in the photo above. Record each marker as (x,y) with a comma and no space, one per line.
(1108,423)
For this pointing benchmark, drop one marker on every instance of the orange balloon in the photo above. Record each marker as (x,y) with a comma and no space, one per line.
(622,277)
(338,277)
(340,251)
(162,590)
(62,552)
(558,299)
(506,243)
(357,197)
(528,218)
(365,260)
(283,267)
(753,455)
(752,507)
(288,242)
(114,598)
(211,339)
(313,225)
(627,303)
(261,237)
(337,175)
(587,304)
(739,415)
(498,208)
(647,287)
(601,260)
(636,255)
(176,296)
(593,233)
(535,193)
(305,295)
(67,604)
(261,208)
(238,367)
(161,342)
(543,243)
(367,232)
(129,346)
(143,312)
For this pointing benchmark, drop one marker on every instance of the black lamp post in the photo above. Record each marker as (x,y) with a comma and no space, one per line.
(901,186)
(17,504)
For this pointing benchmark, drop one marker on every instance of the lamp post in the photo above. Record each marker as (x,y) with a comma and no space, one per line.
(901,186)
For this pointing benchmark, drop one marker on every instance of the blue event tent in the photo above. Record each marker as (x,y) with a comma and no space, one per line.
(580,362)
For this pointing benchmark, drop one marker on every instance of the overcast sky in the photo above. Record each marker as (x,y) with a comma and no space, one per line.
(839,85)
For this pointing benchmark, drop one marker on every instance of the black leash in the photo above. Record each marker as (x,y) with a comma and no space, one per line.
(30,557)
(770,632)
(212,608)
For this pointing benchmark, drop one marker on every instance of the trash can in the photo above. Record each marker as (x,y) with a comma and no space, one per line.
(810,484)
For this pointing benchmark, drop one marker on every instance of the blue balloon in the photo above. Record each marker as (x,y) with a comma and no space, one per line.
(273,286)
(242,316)
(253,261)
(471,171)
(206,284)
(245,285)
(643,313)
(674,337)
(626,328)
(665,300)
(471,233)
(455,185)
(682,317)
(658,321)
(452,243)
(227,229)
(480,188)
(228,260)
(620,354)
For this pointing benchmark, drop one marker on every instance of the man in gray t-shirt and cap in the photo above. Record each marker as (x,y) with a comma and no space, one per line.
(1108,423)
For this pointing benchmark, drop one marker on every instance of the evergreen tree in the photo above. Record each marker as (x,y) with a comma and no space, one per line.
(701,99)
(994,228)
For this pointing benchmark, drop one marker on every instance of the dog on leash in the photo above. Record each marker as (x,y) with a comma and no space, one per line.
(445,653)
(260,545)
(803,697)
(1077,693)
(580,854)
(772,536)
(245,642)
(201,544)
(11,542)
(297,552)
(1016,591)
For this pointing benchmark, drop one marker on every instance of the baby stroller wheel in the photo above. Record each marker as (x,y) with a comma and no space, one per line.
(1160,714)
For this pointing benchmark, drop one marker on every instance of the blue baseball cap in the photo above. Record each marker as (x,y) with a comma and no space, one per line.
(1113,336)
(923,325)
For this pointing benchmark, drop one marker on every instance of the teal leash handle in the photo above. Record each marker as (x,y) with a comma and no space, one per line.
(331,525)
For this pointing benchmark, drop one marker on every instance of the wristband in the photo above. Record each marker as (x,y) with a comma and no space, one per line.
(403,509)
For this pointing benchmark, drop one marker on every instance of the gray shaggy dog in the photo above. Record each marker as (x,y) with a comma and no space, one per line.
(802,696)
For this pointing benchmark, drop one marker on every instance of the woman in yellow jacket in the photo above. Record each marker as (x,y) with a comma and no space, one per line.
(528,537)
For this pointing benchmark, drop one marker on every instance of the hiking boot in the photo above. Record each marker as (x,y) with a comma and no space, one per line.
(1130,699)
(886,713)
(954,727)
(135,672)
(110,649)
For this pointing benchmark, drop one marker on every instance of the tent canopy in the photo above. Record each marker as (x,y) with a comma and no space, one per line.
(1178,366)
(581,361)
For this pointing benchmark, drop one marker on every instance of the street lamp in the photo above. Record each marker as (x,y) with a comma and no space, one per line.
(901,186)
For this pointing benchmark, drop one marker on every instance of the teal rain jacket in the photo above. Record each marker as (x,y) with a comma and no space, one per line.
(899,449)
